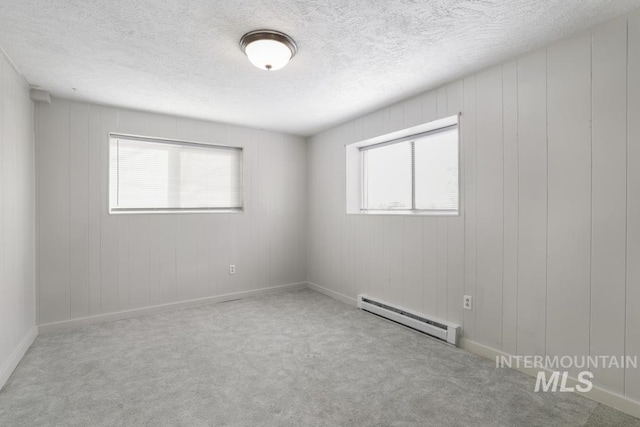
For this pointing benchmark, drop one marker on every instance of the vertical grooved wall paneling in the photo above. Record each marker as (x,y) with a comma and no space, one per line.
(569,196)
(532,203)
(53,192)
(548,238)
(78,212)
(489,184)
(510,207)
(632,288)
(18,219)
(468,127)
(609,197)
(94,263)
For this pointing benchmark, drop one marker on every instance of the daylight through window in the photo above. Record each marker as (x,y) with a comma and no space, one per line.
(157,175)
(417,173)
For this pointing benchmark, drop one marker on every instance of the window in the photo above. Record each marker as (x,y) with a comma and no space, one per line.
(159,175)
(414,171)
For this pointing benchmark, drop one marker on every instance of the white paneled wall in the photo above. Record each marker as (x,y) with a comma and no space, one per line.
(17,224)
(548,242)
(609,194)
(631,287)
(93,263)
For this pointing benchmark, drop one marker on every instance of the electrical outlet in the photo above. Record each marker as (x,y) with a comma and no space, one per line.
(232,269)
(467,302)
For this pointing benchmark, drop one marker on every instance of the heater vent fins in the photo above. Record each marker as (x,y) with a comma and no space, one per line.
(404,313)
(442,330)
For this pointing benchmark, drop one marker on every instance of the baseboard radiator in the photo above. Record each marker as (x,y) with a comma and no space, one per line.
(440,329)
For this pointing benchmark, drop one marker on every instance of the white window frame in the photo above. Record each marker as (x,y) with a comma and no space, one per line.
(355,168)
(111,193)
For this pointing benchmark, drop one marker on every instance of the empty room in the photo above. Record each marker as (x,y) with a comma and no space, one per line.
(319,213)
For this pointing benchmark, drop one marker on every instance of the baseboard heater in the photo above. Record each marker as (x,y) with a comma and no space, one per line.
(440,329)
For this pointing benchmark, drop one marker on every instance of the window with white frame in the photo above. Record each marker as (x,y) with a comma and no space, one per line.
(160,175)
(414,171)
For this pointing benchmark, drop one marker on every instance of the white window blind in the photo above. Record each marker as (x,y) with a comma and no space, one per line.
(147,174)
(417,173)
(388,177)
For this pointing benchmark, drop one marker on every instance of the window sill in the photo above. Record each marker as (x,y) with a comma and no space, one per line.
(175,211)
(405,213)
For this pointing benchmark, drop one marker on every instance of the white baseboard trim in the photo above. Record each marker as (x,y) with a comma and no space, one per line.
(17,355)
(119,315)
(596,394)
(333,294)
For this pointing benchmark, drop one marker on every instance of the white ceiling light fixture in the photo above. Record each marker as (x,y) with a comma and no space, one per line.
(267,49)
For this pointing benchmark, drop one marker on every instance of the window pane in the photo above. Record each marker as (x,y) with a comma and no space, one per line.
(209,178)
(436,165)
(142,175)
(388,177)
(159,175)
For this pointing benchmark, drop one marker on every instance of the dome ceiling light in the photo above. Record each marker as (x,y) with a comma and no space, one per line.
(267,49)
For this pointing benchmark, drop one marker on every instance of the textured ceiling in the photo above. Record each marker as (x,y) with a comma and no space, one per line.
(181,56)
